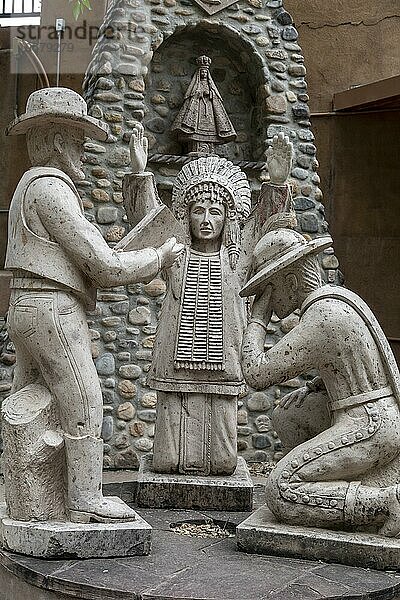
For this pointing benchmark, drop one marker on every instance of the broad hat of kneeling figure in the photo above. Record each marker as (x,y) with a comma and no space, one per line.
(275,251)
(58,105)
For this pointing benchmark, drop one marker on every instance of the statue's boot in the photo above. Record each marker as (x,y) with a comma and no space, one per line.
(86,502)
(391,526)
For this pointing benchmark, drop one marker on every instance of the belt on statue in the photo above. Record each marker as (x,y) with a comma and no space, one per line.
(22,280)
(362,398)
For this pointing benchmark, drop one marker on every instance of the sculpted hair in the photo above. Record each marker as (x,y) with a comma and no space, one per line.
(39,142)
(227,183)
(310,274)
(307,273)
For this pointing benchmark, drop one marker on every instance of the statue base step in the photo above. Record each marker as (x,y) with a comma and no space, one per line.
(57,539)
(228,493)
(191,568)
(261,533)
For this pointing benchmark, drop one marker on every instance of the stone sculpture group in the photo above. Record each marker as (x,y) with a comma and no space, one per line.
(346,477)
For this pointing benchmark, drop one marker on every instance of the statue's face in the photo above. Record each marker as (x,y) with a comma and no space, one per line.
(203,73)
(57,146)
(207,220)
(73,153)
(284,297)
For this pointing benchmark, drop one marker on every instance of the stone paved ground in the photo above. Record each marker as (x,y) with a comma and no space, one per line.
(183,567)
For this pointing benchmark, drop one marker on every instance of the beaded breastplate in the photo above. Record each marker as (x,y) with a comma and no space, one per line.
(200,343)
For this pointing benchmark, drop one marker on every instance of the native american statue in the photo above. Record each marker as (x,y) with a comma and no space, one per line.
(196,357)
(197,374)
(202,122)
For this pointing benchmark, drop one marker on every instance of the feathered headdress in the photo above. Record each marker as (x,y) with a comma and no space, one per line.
(228,185)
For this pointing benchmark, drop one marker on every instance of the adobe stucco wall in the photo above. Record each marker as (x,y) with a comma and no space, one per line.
(347,43)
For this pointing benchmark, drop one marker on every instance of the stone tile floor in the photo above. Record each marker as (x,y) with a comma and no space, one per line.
(188,568)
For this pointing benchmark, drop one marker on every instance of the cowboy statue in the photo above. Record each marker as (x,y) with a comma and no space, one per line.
(57,258)
(344,477)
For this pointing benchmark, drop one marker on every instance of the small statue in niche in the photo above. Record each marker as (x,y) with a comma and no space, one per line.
(196,366)
(203,122)
(346,476)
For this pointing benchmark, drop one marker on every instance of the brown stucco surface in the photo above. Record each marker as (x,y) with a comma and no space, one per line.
(347,43)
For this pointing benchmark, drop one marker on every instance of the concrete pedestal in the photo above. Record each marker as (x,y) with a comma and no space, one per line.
(183,567)
(228,493)
(54,539)
(190,568)
(262,534)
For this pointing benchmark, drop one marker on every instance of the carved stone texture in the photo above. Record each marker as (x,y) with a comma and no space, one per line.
(195,368)
(161,490)
(202,120)
(346,476)
(236,81)
(212,7)
(141,73)
(262,533)
(274,208)
(57,258)
(33,460)
(55,539)
(152,222)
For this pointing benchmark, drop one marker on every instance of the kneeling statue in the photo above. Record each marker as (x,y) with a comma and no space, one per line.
(345,477)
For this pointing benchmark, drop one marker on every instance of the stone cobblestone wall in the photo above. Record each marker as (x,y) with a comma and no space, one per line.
(140,70)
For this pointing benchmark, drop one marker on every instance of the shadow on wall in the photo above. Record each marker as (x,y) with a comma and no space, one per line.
(365,213)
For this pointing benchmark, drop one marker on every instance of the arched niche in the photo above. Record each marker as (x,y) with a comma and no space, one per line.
(237,70)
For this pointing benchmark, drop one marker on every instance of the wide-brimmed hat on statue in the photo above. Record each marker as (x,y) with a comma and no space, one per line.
(58,105)
(275,251)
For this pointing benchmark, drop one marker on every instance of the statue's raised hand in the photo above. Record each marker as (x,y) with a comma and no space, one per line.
(294,398)
(279,159)
(138,148)
(261,310)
